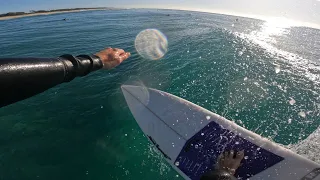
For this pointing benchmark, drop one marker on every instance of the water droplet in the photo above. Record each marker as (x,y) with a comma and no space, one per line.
(208,117)
(125,134)
(177,163)
(126,172)
(188,51)
(196,146)
(101,107)
(177,175)
(246,157)
(289,121)
(302,114)
(202,134)
(237,142)
(292,101)
(277,68)
(151,44)
(200,57)
(258,149)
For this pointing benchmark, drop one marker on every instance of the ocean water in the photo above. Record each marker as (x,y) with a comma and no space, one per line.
(263,75)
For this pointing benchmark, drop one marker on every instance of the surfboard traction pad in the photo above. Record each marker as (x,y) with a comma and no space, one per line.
(200,153)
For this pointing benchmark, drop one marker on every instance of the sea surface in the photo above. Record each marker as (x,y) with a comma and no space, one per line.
(263,75)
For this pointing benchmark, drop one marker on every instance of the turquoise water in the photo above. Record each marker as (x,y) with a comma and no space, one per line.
(248,71)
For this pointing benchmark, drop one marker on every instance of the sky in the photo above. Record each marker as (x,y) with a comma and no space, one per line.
(307,11)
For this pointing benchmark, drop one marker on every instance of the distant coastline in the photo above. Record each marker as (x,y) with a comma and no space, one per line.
(12,15)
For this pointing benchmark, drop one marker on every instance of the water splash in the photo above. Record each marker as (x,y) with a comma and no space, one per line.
(277,68)
(292,101)
(302,114)
(309,147)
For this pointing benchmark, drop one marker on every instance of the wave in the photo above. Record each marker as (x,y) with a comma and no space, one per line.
(309,147)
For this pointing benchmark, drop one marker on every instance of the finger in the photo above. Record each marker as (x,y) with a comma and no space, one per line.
(231,154)
(220,158)
(120,51)
(240,155)
(226,154)
(124,56)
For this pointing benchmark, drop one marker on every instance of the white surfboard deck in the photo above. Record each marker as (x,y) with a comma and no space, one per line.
(191,138)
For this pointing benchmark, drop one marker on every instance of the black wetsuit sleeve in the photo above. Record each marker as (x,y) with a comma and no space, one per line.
(21,78)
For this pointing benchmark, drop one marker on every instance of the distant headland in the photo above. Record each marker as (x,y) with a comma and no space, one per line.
(11,15)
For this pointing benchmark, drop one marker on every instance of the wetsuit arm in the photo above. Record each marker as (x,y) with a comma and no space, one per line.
(21,78)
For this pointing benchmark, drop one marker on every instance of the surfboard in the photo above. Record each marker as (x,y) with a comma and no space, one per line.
(191,138)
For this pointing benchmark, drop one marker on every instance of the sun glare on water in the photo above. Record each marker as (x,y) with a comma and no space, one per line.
(266,36)
(274,27)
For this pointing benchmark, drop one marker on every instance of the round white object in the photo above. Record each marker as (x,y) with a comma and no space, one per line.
(151,44)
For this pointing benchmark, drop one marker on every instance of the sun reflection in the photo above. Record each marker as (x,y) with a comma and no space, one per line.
(269,37)
(274,27)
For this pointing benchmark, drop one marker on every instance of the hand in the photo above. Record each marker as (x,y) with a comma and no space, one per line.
(230,162)
(112,57)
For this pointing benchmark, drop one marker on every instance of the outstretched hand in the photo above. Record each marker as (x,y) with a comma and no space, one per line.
(112,57)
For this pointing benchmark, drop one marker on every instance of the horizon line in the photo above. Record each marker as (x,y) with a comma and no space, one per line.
(292,22)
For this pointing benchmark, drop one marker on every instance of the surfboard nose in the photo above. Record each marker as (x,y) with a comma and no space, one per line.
(143,104)
(125,87)
(130,89)
(139,92)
